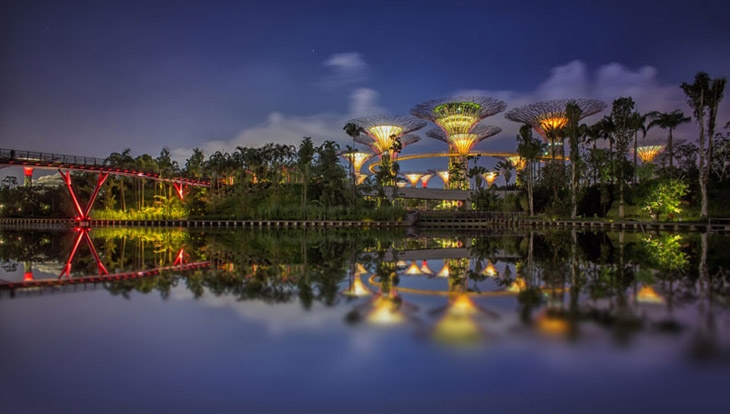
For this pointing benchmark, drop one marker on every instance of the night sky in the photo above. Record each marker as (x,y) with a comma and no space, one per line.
(96,77)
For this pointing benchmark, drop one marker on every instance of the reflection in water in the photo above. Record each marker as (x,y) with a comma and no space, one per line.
(561,284)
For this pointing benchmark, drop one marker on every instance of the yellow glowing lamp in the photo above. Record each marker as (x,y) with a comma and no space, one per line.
(413,269)
(649,152)
(360,269)
(413,178)
(444,177)
(444,272)
(357,159)
(552,324)
(357,288)
(384,135)
(457,330)
(462,305)
(517,286)
(360,178)
(463,143)
(385,312)
(490,270)
(490,177)
(553,122)
(518,162)
(647,294)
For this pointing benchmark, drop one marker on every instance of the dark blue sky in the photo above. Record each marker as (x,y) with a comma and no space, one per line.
(101,76)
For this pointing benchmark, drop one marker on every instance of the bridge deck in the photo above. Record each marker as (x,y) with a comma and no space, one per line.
(48,161)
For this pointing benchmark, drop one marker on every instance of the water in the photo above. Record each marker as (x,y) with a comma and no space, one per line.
(273,322)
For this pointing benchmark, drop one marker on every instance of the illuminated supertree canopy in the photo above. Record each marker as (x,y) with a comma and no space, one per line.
(381,130)
(518,162)
(649,152)
(463,143)
(547,115)
(373,144)
(458,115)
(357,159)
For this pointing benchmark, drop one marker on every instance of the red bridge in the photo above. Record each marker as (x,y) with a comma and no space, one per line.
(30,160)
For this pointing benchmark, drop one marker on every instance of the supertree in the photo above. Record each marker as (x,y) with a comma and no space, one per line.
(356,160)
(647,153)
(549,117)
(463,143)
(458,119)
(458,115)
(371,143)
(380,132)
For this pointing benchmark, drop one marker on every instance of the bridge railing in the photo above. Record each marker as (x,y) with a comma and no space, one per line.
(45,157)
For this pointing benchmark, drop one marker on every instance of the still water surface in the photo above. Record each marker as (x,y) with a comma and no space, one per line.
(341,321)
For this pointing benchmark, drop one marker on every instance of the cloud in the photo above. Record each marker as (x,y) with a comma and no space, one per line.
(290,129)
(345,69)
(607,83)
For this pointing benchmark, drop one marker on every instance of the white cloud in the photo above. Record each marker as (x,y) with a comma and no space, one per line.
(345,69)
(290,129)
(609,82)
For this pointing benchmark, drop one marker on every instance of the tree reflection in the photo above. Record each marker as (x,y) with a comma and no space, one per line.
(562,283)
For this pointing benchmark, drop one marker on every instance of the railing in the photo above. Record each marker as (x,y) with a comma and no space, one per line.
(33,156)
(465,215)
(48,160)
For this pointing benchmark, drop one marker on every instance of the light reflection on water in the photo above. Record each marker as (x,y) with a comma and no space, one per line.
(307,321)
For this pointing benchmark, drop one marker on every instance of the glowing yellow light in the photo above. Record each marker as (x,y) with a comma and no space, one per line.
(357,288)
(384,135)
(413,269)
(648,153)
(463,143)
(552,324)
(647,294)
(357,159)
(359,178)
(385,312)
(444,177)
(444,272)
(518,285)
(425,269)
(490,177)
(518,162)
(360,269)
(553,121)
(490,270)
(457,330)
(413,178)
(457,117)
(462,305)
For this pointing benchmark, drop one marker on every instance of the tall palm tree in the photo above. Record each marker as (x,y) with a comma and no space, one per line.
(696,93)
(573,113)
(622,114)
(670,121)
(638,123)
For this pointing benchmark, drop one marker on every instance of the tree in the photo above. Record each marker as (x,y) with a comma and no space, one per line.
(670,121)
(195,164)
(305,155)
(665,197)
(530,149)
(698,99)
(622,114)
(638,123)
(573,113)
(506,167)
